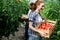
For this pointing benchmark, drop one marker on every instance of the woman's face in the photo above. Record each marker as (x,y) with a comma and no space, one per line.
(41,6)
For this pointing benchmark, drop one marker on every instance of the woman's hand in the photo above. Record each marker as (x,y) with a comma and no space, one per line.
(42,34)
(45,20)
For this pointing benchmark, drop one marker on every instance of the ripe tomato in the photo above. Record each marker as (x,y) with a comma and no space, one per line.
(46,26)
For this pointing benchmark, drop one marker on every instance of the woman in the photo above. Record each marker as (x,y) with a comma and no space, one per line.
(34,20)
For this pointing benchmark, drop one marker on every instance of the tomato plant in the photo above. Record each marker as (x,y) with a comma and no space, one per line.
(52,12)
(10,12)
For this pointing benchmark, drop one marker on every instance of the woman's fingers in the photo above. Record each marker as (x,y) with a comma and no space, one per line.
(43,34)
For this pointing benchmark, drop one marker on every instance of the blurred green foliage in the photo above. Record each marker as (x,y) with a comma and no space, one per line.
(10,12)
(52,12)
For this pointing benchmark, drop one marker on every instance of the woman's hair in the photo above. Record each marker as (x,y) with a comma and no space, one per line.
(38,2)
(34,5)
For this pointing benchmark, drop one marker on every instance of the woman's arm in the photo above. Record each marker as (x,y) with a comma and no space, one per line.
(32,28)
(36,30)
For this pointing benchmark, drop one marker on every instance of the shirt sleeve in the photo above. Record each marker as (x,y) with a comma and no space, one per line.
(31,17)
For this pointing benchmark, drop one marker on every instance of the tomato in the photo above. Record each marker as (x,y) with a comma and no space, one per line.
(46,26)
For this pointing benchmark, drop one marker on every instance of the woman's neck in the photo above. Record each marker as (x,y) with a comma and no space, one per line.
(38,10)
(33,10)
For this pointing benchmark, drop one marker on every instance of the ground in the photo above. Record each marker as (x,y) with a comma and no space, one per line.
(18,35)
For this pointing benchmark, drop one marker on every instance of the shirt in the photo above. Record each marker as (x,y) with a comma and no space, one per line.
(35,18)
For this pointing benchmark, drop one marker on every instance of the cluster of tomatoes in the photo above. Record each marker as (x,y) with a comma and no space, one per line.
(46,26)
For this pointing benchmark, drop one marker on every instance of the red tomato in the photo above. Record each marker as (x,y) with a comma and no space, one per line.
(46,26)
